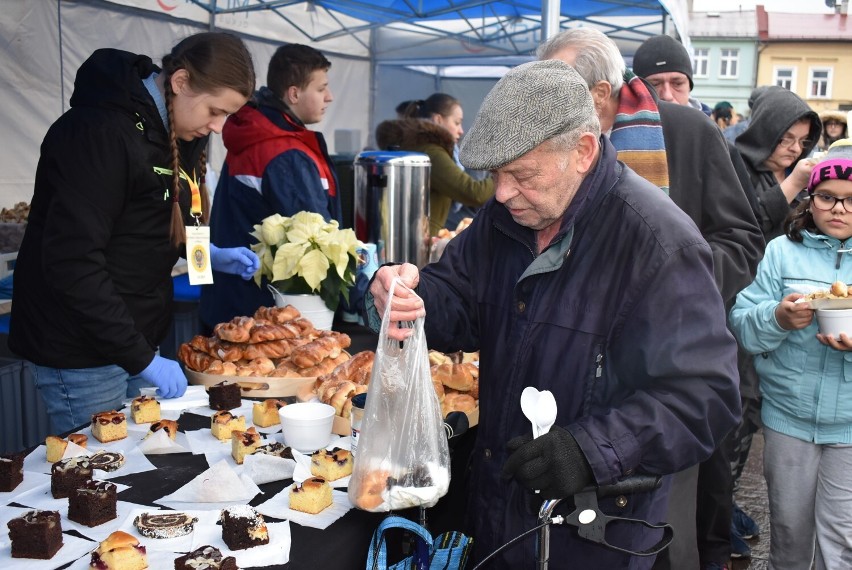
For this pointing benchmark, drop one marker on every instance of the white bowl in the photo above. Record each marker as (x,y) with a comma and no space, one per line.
(306,426)
(835,321)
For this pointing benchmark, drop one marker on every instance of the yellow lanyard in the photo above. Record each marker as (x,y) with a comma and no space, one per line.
(195,204)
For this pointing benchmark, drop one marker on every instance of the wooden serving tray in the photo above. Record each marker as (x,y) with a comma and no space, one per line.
(254,386)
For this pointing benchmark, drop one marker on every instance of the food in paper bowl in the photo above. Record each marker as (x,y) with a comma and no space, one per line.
(835,322)
(306,426)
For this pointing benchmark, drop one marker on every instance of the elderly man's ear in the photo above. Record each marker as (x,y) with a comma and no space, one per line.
(587,150)
(601,92)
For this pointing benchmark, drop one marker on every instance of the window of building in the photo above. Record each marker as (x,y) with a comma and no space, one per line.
(729,63)
(784,77)
(701,62)
(820,83)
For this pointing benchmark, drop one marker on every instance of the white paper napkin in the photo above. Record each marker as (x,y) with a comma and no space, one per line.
(159,443)
(262,468)
(218,485)
(274,553)
(32,480)
(206,410)
(203,442)
(73,548)
(193,397)
(37,461)
(279,507)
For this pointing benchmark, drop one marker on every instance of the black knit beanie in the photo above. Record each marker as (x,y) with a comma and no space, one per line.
(662,54)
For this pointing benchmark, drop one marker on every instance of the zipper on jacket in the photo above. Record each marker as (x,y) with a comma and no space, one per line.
(840,251)
(599,362)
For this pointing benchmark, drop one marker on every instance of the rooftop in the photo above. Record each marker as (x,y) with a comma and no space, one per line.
(739,24)
(777,26)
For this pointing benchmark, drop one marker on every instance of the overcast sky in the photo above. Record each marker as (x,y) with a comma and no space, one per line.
(798,6)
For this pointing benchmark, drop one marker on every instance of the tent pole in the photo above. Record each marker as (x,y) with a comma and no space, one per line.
(549,19)
(212,24)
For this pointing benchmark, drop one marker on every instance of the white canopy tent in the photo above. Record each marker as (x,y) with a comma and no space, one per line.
(382,52)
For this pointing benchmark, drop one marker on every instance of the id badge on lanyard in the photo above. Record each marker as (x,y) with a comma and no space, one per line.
(198,261)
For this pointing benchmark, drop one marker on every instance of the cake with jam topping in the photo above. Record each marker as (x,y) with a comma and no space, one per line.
(225,396)
(223,423)
(69,474)
(93,504)
(11,471)
(331,464)
(243,527)
(244,443)
(109,426)
(265,413)
(119,551)
(276,449)
(144,410)
(311,495)
(36,534)
(206,558)
(170,427)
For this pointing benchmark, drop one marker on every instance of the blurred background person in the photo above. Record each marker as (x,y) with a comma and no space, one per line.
(664,63)
(274,165)
(434,126)
(834,128)
(724,115)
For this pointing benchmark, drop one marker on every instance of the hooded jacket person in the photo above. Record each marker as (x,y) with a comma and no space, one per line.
(448,182)
(774,111)
(274,165)
(126,316)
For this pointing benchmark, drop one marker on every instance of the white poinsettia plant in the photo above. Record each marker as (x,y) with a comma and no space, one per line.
(306,254)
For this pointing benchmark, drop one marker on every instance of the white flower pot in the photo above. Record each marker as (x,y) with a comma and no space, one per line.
(312,307)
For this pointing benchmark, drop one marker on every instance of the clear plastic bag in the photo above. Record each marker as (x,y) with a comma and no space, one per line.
(403,458)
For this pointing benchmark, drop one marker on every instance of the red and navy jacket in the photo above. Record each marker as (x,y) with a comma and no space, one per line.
(274,165)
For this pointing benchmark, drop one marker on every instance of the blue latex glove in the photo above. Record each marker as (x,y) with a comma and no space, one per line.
(235,260)
(167,376)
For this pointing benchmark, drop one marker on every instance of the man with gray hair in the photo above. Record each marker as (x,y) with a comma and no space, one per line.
(704,183)
(581,278)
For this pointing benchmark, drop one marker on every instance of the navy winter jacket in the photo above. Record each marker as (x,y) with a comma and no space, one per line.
(620,318)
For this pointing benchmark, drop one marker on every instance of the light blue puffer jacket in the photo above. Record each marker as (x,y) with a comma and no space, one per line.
(806,386)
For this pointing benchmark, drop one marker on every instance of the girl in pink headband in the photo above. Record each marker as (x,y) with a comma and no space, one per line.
(805,375)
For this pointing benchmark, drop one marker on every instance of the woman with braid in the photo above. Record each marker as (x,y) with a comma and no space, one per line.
(113,190)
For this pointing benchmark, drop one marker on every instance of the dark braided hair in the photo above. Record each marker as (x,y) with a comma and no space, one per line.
(213,61)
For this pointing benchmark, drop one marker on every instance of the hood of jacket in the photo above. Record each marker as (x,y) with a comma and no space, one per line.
(247,128)
(774,110)
(111,79)
(408,134)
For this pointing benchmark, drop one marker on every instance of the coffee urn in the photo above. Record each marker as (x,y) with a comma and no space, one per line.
(392,204)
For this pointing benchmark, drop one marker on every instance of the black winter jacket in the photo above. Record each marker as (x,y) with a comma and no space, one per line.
(92,281)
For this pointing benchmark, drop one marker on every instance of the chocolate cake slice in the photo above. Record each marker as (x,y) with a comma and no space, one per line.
(243,527)
(93,504)
(11,471)
(224,396)
(36,534)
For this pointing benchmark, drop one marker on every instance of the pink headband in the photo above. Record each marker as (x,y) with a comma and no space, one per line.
(833,168)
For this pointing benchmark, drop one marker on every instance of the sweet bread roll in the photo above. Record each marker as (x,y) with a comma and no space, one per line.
(194,359)
(337,398)
(329,345)
(285,369)
(268,349)
(474,390)
(370,490)
(277,314)
(839,289)
(221,368)
(237,329)
(456,376)
(224,350)
(457,402)
(273,331)
(324,367)
(436,357)
(260,366)
(439,389)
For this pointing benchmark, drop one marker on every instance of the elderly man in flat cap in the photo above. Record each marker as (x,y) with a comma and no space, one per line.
(582,278)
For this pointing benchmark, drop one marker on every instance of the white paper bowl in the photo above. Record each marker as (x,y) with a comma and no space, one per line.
(834,321)
(306,426)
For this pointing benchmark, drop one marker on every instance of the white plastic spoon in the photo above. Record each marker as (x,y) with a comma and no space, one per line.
(529,405)
(545,417)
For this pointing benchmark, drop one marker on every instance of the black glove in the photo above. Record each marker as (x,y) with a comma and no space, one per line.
(552,463)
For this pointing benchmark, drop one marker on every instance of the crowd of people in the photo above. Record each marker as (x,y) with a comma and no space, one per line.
(638,253)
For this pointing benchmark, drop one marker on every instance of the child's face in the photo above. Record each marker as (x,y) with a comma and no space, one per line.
(836,221)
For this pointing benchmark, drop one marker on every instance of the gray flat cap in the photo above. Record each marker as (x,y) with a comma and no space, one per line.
(530,104)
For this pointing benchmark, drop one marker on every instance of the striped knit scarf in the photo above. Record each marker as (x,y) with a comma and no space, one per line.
(637,133)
